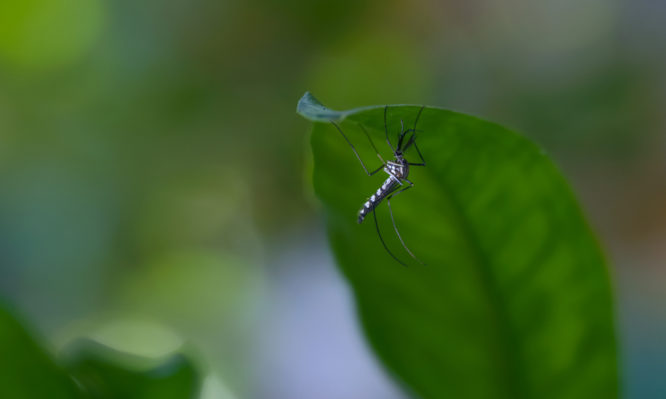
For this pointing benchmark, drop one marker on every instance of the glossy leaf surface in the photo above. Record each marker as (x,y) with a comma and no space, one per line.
(514,300)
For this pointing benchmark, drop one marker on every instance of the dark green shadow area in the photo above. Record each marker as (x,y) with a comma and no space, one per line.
(27,370)
(514,301)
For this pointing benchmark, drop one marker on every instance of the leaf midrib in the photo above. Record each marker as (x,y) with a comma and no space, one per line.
(501,319)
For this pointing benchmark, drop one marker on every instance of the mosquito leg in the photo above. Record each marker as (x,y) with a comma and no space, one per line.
(412,140)
(386,130)
(415,146)
(356,153)
(420,156)
(372,144)
(382,240)
(395,227)
(412,137)
(418,116)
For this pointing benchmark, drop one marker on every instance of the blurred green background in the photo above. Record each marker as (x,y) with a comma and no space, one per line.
(154,176)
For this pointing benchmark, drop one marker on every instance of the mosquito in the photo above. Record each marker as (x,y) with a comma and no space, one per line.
(396,183)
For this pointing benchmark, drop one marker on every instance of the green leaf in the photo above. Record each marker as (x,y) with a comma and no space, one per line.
(26,369)
(106,373)
(514,300)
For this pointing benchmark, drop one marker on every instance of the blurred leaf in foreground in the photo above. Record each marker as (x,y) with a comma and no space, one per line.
(104,372)
(26,369)
(515,300)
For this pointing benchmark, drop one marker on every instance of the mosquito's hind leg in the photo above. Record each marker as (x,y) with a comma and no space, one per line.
(374,216)
(395,227)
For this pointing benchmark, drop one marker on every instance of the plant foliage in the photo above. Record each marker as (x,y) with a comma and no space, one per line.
(89,370)
(514,300)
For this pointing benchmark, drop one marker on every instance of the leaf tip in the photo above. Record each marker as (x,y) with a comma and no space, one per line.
(310,108)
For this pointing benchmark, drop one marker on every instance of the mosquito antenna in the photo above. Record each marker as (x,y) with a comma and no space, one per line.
(386,130)
(382,240)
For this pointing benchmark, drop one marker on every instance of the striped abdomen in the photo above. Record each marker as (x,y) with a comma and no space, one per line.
(377,197)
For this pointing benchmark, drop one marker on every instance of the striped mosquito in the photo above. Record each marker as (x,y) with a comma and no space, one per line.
(398,171)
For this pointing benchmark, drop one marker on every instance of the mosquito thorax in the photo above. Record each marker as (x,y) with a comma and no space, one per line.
(398,168)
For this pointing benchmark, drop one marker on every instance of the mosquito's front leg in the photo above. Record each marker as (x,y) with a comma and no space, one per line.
(356,153)
(412,140)
(372,144)
(423,163)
